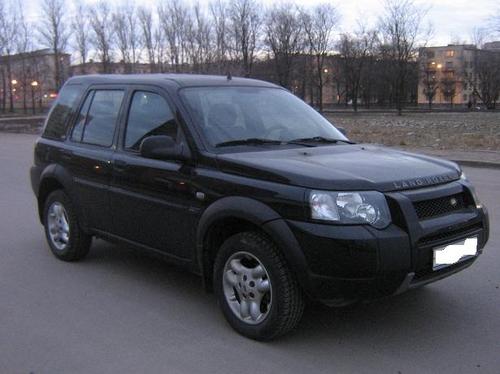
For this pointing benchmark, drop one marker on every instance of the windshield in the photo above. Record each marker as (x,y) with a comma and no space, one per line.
(227,115)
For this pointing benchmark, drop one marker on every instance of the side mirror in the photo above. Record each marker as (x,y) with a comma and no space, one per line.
(163,147)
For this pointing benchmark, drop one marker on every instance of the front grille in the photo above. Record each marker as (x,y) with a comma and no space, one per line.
(457,233)
(440,206)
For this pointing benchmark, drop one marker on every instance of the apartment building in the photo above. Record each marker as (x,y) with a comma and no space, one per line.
(30,78)
(444,73)
(452,75)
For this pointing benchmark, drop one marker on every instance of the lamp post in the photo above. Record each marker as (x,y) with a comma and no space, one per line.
(34,84)
(12,91)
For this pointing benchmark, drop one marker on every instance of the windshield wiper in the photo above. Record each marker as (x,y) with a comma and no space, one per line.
(248,141)
(318,139)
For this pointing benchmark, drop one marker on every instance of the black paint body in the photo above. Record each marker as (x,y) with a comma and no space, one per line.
(178,208)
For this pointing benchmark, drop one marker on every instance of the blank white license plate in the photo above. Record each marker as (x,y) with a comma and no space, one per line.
(455,252)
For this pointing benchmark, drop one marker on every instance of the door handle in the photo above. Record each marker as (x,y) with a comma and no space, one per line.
(120,165)
(66,154)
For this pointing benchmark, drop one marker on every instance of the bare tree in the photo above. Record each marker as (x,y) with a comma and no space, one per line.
(245,32)
(430,85)
(478,36)
(203,40)
(219,14)
(80,25)
(8,33)
(401,28)
(198,39)
(486,77)
(23,47)
(134,38)
(160,48)
(428,76)
(355,52)
(145,17)
(448,86)
(174,16)
(126,31)
(102,33)
(54,33)
(319,24)
(283,30)
(123,35)
(495,22)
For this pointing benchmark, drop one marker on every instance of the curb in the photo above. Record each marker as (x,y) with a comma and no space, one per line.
(478,164)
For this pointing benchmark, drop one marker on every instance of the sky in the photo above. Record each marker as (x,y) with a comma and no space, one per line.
(452,20)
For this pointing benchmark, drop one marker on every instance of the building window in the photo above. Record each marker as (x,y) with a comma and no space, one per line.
(450,53)
(430,54)
(449,64)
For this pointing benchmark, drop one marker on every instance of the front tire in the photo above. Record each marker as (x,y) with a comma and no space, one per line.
(66,239)
(258,294)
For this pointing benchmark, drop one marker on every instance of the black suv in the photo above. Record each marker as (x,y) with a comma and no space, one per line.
(243,183)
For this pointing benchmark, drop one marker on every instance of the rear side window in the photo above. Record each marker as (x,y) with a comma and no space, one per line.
(62,110)
(149,115)
(96,121)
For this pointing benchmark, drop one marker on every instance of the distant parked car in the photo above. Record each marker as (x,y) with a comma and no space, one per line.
(243,183)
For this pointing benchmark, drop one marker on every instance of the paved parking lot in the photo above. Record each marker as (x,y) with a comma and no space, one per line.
(120,311)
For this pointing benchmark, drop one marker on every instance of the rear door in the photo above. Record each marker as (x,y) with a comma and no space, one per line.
(90,148)
(152,201)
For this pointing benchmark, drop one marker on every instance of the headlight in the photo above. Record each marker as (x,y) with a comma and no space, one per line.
(350,207)
(478,203)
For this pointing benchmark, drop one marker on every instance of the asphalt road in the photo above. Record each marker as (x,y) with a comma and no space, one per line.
(121,311)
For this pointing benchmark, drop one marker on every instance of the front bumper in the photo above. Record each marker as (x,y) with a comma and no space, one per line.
(352,263)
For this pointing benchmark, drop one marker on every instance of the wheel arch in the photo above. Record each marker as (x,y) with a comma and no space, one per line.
(231,215)
(54,178)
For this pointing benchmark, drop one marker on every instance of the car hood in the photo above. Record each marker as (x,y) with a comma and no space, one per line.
(342,167)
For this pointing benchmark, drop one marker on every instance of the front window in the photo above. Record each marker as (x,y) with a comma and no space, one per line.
(149,115)
(226,114)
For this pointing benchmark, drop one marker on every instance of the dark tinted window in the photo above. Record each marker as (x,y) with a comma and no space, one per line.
(62,110)
(100,121)
(149,115)
(80,120)
(237,113)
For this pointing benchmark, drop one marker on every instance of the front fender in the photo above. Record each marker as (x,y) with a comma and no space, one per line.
(261,215)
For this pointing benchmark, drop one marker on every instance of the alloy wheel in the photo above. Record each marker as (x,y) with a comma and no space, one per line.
(247,288)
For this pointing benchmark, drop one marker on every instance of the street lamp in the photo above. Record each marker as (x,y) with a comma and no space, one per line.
(34,84)
(325,71)
(12,94)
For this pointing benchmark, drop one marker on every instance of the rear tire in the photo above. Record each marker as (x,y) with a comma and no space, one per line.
(258,294)
(66,239)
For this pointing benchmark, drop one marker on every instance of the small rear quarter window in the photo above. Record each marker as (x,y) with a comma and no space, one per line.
(63,108)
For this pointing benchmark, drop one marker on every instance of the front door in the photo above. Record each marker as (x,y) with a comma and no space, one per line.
(152,200)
